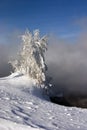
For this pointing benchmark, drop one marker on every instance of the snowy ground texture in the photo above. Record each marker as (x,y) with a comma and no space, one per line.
(24,107)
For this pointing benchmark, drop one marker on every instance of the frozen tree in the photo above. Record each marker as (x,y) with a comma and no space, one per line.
(31,59)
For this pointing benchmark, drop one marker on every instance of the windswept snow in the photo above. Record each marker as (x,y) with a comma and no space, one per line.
(9,125)
(23,106)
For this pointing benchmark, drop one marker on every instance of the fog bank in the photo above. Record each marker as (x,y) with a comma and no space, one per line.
(67,64)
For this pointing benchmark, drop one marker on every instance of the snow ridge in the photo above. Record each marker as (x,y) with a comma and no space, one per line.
(24,107)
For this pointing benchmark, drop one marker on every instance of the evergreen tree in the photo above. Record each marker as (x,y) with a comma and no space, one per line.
(31,59)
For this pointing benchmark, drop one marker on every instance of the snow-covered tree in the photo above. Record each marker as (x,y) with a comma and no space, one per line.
(31,59)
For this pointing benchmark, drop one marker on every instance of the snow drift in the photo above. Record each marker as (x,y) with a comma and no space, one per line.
(23,106)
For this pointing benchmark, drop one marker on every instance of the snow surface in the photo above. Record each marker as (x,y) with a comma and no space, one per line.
(23,106)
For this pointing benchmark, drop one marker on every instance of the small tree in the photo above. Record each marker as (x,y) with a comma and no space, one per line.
(31,59)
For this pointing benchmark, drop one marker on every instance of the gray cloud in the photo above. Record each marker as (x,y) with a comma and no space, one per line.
(9,44)
(67,64)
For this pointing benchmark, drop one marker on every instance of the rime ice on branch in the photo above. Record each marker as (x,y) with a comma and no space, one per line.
(31,59)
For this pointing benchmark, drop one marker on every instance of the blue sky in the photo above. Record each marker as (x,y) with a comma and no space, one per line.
(60,17)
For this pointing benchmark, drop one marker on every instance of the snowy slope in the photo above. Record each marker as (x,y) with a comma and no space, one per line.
(24,107)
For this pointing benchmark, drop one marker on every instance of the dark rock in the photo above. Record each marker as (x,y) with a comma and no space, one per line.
(60,101)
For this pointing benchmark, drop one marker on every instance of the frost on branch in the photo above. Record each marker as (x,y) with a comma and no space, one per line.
(31,59)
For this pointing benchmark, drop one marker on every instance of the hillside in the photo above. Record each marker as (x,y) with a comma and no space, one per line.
(24,106)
